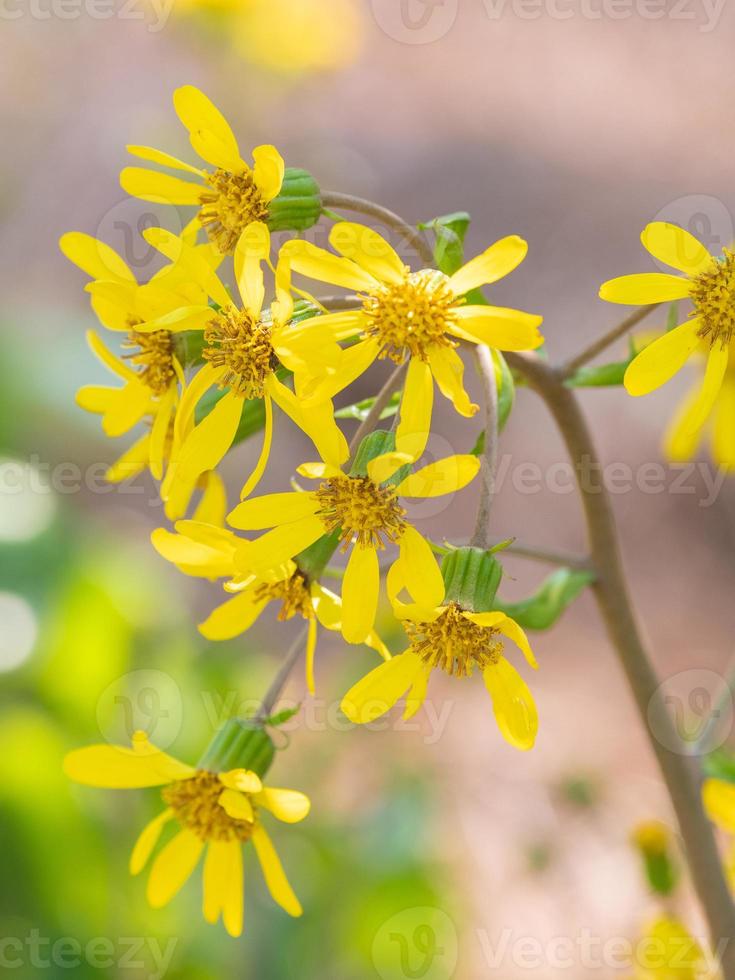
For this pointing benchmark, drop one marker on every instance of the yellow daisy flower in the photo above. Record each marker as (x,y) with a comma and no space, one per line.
(419,315)
(209,552)
(231,196)
(452,639)
(710,284)
(668,951)
(244,348)
(218,811)
(364,511)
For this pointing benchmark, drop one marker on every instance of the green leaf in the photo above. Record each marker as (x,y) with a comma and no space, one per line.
(479,447)
(541,610)
(449,232)
(361,410)
(506,389)
(599,376)
(661,873)
(281,717)
(720,765)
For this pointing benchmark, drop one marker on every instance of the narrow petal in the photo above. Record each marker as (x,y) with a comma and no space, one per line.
(172,868)
(676,247)
(94,257)
(117,767)
(448,371)
(315,419)
(165,159)
(160,431)
(369,250)
(191,261)
(422,575)
(233,617)
(417,695)
(493,264)
(268,171)
(723,447)
(209,132)
(379,690)
(417,401)
(287,805)
(275,877)
(713,378)
(277,546)
(213,505)
(354,362)
(497,326)
(644,288)
(360,590)
(147,840)
(318,471)
(265,450)
(223,884)
(252,249)
(311,638)
(719,802)
(317,263)
(272,510)
(236,805)
(513,704)
(509,627)
(150,185)
(105,355)
(444,476)
(682,438)
(661,360)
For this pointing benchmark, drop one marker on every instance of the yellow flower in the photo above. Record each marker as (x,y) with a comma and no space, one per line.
(452,639)
(209,552)
(667,951)
(710,284)
(686,432)
(217,810)
(417,315)
(244,348)
(364,511)
(231,196)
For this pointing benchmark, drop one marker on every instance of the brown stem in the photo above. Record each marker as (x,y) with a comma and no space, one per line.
(486,370)
(279,681)
(371,420)
(549,556)
(332,199)
(604,342)
(681,775)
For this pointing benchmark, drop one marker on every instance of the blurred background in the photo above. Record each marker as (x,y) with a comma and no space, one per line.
(571,123)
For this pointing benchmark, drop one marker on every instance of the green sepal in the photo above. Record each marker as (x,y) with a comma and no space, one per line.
(541,610)
(298,205)
(471,578)
(281,717)
(239,744)
(449,232)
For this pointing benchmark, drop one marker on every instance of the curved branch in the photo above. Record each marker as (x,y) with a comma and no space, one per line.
(347,202)
(486,370)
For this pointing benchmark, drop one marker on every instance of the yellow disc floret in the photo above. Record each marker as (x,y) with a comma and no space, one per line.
(242,346)
(153,353)
(454,643)
(195,803)
(229,206)
(412,316)
(293,592)
(361,509)
(713,295)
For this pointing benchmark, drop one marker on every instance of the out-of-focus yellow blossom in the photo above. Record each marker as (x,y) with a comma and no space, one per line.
(244,348)
(667,951)
(449,638)
(366,512)
(709,282)
(209,552)
(420,315)
(231,196)
(219,811)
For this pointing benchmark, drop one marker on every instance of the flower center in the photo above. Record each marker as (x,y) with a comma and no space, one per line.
(229,207)
(454,643)
(195,803)
(292,592)
(242,346)
(713,295)
(153,353)
(360,508)
(413,315)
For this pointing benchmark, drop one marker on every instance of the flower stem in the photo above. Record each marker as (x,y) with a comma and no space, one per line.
(568,369)
(279,681)
(486,370)
(549,556)
(376,409)
(681,775)
(331,199)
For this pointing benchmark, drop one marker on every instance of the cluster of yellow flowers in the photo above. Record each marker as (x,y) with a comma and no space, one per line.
(202,362)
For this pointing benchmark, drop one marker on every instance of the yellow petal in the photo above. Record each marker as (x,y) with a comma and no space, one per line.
(676,247)
(382,468)
(661,360)
(195,557)
(213,505)
(354,362)
(191,261)
(417,695)
(360,590)
(416,404)
(244,780)
(236,805)
(147,841)
(448,371)
(316,420)
(711,386)
(513,704)
(644,288)
(509,627)
(311,638)
(494,263)
(277,546)
(172,867)
(341,325)
(160,431)
(287,805)
(252,249)
(718,798)
(101,351)
(132,462)
(444,476)
(233,617)
(499,327)
(379,690)
(265,450)
(682,439)
(369,250)
(272,510)
(165,159)
(223,884)
(317,263)
(268,171)
(421,573)
(723,446)
(209,131)
(149,185)
(117,767)
(318,471)
(203,380)
(94,257)
(275,877)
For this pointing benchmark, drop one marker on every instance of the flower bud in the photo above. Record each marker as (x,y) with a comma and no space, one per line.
(471,578)
(239,744)
(298,205)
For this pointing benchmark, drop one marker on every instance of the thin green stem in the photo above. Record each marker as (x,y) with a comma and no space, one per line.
(489,464)
(589,353)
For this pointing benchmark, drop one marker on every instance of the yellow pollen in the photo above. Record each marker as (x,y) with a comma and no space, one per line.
(229,207)
(454,643)
(194,801)
(242,346)
(713,295)
(153,353)
(292,592)
(361,509)
(413,315)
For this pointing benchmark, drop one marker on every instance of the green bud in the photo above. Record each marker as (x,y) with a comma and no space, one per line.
(298,205)
(239,744)
(654,844)
(471,578)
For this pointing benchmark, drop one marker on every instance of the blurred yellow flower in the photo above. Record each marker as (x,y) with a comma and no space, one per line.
(217,810)
(230,197)
(667,951)
(710,284)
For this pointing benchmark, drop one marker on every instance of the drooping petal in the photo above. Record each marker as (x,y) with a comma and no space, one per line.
(268,171)
(448,371)
(711,386)
(147,840)
(94,257)
(132,462)
(265,450)
(165,159)
(360,590)
(369,250)
(277,546)
(212,507)
(287,805)
(223,884)
(190,260)
(421,573)
(252,249)
(172,867)
(198,558)
(272,510)
(379,690)
(723,445)
(661,360)
(417,695)
(311,638)
(275,876)
(236,804)
(499,327)
(417,401)
(317,263)
(513,704)
(209,132)
(509,627)
(493,264)
(645,287)
(315,419)
(354,362)
(718,798)
(233,617)
(160,431)
(118,767)
(158,188)
(682,439)
(444,476)
(676,247)
(105,355)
